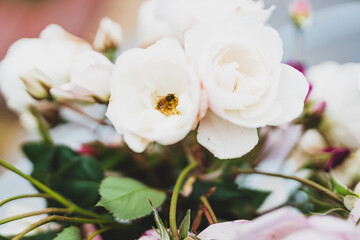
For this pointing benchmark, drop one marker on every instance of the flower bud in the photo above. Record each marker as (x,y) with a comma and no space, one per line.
(87,150)
(312,142)
(109,36)
(188,186)
(313,114)
(36,83)
(337,156)
(300,12)
(297,65)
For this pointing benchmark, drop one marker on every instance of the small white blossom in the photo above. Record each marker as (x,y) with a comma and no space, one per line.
(32,66)
(56,66)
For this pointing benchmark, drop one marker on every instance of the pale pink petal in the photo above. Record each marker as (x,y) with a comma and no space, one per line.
(313,234)
(226,230)
(72,91)
(275,225)
(224,139)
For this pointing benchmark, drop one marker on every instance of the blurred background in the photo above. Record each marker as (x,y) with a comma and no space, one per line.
(333,35)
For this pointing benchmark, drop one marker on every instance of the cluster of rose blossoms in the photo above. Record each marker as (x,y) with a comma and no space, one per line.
(220,64)
(219,60)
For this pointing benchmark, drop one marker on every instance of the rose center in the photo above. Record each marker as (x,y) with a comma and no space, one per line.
(167,104)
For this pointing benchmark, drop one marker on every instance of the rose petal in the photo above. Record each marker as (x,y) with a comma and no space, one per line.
(293,88)
(136,143)
(226,230)
(224,139)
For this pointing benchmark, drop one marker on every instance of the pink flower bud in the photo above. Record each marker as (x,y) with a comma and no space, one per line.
(337,156)
(300,12)
(318,109)
(87,150)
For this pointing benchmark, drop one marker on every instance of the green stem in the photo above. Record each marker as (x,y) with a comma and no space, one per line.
(42,126)
(186,151)
(25,215)
(105,229)
(174,198)
(56,218)
(307,182)
(208,207)
(40,195)
(47,190)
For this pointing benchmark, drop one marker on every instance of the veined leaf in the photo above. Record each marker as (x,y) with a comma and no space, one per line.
(127,198)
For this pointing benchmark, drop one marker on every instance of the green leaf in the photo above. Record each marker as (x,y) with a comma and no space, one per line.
(127,198)
(229,201)
(79,180)
(340,188)
(40,154)
(163,232)
(70,233)
(75,176)
(185,225)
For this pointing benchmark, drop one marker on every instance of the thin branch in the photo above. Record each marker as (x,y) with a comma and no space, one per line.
(207,215)
(197,220)
(35,213)
(105,229)
(174,198)
(55,218)
(41,125)
(208,207)
(39,195)
(307,182)
(49,191)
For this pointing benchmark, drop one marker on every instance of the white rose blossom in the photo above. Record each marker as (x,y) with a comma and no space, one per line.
(155,95)
(159,18)
(339,86)
(247,86)
(32,68)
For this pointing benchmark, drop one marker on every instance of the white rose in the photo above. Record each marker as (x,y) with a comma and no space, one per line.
(108,36)
(89,79)
(159,18)
(141,82)
(42,63)
(338,85)
(247,86)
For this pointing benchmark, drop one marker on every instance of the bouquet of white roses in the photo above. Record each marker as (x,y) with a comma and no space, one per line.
(199,125)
